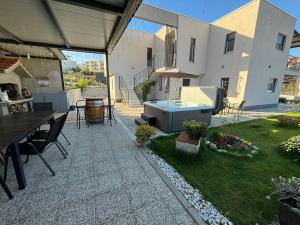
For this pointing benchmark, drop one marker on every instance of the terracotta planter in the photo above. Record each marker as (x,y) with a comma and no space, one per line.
(186,144)
(286,215)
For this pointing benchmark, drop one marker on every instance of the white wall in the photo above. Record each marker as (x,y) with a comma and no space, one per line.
(236,63)
(271,21)
(46,68)
(191,28)
(129,57)
(174,88)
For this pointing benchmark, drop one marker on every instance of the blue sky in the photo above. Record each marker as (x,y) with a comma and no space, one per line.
(206,10)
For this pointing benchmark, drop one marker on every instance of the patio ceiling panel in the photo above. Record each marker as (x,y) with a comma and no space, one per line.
(84,27)
(28,20)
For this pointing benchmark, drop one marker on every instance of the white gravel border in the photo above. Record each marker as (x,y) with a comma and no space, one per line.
(206,210)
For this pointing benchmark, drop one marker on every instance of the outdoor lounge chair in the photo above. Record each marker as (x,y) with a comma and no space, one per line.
(238,107)
(37,147)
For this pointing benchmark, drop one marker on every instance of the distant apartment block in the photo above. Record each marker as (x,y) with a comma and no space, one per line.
(94,66)
(246,52)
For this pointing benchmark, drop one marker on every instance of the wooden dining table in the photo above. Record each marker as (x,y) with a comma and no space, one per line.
(13,129)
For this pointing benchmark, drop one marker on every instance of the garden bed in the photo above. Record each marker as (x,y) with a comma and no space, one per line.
(237,186)
(231,145)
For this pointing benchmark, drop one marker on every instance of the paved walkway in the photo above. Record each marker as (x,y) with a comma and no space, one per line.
(129,114)
(104,180)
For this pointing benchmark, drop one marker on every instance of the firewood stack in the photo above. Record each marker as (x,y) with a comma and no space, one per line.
(19,107)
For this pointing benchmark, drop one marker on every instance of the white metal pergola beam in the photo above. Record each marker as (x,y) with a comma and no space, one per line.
(51,14)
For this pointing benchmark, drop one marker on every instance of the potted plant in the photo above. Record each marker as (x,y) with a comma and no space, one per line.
(190,139)
(143,133)
(289,210)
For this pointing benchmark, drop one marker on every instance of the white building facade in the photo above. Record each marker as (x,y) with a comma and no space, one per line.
(245,52)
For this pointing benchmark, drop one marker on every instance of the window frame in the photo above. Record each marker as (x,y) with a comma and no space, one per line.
(271,87)
(184,84)
(227,41)
(282,44)
(192,50)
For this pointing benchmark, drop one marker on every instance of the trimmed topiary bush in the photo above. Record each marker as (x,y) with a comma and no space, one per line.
(291,146)
(143,133)
(195,129)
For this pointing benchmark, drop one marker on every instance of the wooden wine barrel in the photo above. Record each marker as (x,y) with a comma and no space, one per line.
(95,110)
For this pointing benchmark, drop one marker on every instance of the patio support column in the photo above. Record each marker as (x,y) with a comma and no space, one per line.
(61,76)
(108,85)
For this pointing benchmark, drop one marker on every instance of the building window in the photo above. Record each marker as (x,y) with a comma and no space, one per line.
(272,85)
(160,83)
(149,57)
(280,41)
(186,82)
(225,85)
(192,50)
(230,39)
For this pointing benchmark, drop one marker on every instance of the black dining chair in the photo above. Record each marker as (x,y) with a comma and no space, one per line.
(37,147)
(5,188)
(47,106)
(43,134)
(112,106)
(81,107)
(42,106)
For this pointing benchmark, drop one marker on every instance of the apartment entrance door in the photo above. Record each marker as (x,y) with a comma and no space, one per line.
(225,85)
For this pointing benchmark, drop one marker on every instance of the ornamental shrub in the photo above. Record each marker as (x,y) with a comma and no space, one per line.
(282,186)
(216,135)
(288,122)
(291,146)
(143,133)
(195,129)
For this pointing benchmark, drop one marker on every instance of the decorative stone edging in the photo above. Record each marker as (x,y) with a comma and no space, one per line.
(206,210)
(253,149)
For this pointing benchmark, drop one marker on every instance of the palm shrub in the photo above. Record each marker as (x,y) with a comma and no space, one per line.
(143,133)
(143,89)
(195,129)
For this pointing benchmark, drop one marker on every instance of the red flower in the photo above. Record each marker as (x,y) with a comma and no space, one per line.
(221,141)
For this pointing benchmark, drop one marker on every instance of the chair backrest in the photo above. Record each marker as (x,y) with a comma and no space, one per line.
(42,106)
(80,102)
(55,130)
(242,104)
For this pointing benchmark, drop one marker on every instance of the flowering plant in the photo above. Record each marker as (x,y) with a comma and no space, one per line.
(231,144)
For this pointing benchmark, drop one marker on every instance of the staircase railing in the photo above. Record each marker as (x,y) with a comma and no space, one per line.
(142,76)
(124,89)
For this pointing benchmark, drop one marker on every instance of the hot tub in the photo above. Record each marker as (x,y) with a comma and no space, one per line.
(170,114)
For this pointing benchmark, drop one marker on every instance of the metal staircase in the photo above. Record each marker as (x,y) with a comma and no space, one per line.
(128,94)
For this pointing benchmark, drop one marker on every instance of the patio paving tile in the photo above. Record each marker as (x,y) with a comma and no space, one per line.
(104,180)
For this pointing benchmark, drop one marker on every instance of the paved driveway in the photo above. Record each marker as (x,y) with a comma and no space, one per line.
(105,180)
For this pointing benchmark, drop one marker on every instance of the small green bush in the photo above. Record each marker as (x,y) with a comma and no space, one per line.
(143,133)
(195,129)
(288,122)
(216,135)
(291,146)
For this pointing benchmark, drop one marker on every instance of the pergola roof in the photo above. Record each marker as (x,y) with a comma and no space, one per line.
(296,40)
(90,25)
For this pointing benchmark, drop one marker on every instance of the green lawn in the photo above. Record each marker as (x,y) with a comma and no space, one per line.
(237,186)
